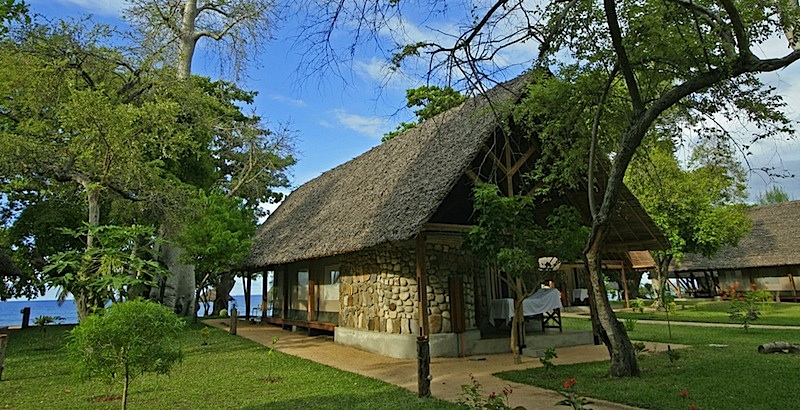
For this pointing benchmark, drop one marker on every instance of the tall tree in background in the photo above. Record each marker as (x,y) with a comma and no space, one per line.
(78,117)
(700,209)
(171,29)
(645,57)
(250,158)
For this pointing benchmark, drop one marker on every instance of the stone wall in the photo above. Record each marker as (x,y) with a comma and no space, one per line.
(379,292)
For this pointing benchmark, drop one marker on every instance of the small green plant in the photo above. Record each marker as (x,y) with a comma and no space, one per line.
(223,312)
(637,305)
(473,397)
(571,397)
(44,321)
(630,324)
(204,333)
(747,307)
(673,355)
(547,359)
(270,353)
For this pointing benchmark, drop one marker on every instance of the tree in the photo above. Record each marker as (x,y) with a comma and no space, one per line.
(172,28)
(216,236)
(12,10)
(253,159)
(126,340)
(772,196)
(509,238)
(78,117)
(699,209)
(645,57)
(433,100)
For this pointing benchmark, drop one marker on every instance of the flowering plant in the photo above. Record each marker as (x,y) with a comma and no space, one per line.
(571,397)
(472,397)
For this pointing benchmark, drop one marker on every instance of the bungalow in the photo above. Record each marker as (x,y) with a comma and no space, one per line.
(358,249)
(768,257)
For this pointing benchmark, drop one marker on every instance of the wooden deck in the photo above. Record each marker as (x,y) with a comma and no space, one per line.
(308,324)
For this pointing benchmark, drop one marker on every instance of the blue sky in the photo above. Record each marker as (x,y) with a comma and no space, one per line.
(337,119)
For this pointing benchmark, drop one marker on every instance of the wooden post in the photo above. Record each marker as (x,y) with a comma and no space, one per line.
(3,344)
(791,283)
(234,321)
(248,286)
(265,295)
(312,298)
(625,287)
(285,289)
(423,348)
(424,373)
(26,317)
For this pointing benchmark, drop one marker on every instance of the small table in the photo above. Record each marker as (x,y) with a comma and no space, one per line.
(544,305)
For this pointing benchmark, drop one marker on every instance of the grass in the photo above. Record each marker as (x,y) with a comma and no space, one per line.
(732,377)
(786,314)
(230,372)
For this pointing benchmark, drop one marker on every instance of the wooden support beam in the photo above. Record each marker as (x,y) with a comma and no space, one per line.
(422,285)
(285,288)
(522,160)
(624,289)
(423,344)
(791,283)
(312,300)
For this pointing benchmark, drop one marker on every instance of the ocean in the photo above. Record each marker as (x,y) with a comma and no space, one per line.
(11,315)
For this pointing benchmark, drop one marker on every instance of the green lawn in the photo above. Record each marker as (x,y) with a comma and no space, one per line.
(732,377)
(228,373)
(787,314)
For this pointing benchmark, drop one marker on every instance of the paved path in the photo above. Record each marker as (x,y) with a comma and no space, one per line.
(697,324)
(448,373)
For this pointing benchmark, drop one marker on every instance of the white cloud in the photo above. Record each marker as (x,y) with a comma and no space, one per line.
(373,127)
(287,100)
(377,70)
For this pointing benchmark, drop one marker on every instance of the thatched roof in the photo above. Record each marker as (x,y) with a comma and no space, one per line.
(772,241)
(388,193)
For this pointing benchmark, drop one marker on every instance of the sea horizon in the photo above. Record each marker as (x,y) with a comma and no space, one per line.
(11,310)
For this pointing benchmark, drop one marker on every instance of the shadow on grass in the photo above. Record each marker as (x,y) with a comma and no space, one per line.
(351,401)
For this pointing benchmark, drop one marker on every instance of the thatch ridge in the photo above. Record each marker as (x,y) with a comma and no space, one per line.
(386,194)
(772,241)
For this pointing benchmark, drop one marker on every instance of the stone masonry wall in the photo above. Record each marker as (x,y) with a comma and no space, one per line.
(379,292)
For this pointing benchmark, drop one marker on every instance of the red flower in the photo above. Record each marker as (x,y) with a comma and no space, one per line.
(566,384)
(692,407)
(684,393)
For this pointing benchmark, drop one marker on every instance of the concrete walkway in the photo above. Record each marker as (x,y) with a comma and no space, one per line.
(696,324)
(448,374)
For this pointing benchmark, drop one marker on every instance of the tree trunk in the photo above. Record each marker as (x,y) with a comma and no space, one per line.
(779,347)
(83,302)
(516,330)
(611,331)
(187,39)
(223,290)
